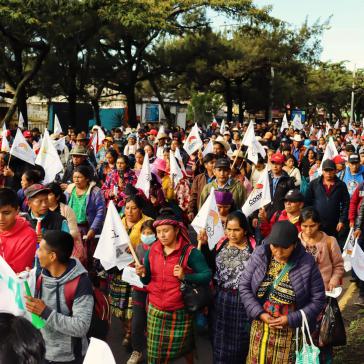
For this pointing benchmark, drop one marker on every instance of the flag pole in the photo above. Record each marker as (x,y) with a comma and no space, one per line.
(237,154)
(133,253)
(9,160)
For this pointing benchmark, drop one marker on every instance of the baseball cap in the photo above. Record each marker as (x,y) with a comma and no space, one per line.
(33,190)
(328,164)
(354,158)
(222,163)
(283,234)
(277,158)
(338,159)
(294,196)
(153,132)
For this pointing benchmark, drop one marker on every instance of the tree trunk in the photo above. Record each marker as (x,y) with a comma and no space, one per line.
(72,108)
(22,106)
(166,109)
(240,101)
(229,100)
(130,99)
(27,77)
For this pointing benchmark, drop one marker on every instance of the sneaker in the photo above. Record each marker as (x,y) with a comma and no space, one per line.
(360,301)
(135,357)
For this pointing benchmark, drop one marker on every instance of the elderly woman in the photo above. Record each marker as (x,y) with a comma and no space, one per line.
(120,291)
(281,278)
(169,325)
(117,179)
(327,254)
(88,204)
(132,145)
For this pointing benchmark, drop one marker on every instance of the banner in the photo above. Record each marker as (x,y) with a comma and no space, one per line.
(21,149)
(193,142)
(145,177)
(284,123)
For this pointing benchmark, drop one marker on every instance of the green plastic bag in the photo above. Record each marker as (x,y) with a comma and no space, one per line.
(309,354)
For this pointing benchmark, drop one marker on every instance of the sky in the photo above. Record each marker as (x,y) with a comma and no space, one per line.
(345,38)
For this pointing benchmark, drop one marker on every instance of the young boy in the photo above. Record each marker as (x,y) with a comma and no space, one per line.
(18,240)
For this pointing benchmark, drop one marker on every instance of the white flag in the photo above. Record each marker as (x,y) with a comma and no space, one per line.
(357,261)
(175,171)
(319,134)
(284,123)
(297,123)
(21,149)
(113,242)
(208,149)
(336,126)
(57,128)
(161,130)
(60,144)
(328,127)
(208,218)
(222,127)
(177,154)
(330,153)
(21,121)
(98,352)
(193,142)
(260,196)
(5,147)
(254,147)
(49,159)
(145,177)
(100,135)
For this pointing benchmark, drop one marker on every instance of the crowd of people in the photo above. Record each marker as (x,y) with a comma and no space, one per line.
(265,269)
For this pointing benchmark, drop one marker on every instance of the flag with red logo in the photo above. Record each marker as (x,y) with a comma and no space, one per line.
(208,218)
(193,142)
(260,196)
(21,149)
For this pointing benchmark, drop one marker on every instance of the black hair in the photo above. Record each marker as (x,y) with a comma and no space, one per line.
(20,341)
(148,225)
(61,243)
(167,213)
(8,197)
(125,159)
(243,223)
(140,151)
(33,175)
(310,213)
(291,156)
(113,153)
(57,190)
(209,157)
(137,199)
(85,171)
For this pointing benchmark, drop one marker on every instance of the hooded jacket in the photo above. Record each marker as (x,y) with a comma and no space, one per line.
(305,278)
(65,332)
(18,245)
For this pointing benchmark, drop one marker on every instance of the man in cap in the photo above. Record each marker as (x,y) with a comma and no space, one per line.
(82,141)
(293,204)
(223,181)
(221,147)
(199,182)
(353,173)
(79,157)
(297,151)
(330,197)
(161,143)
(39,212)
(279,183)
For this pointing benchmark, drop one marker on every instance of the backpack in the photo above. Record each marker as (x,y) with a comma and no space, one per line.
(101,314)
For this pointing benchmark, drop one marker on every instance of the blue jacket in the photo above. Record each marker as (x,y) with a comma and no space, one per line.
(95,206)
(305,278)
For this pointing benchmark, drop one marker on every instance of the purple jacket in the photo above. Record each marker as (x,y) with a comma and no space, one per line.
(304,276)
(95,206)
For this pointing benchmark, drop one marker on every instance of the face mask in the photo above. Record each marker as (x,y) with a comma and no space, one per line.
(148,239)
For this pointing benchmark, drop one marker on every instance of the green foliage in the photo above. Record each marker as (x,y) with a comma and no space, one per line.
(203,107)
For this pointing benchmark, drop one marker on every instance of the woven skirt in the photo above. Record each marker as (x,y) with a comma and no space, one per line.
(271,346)
(169,335)
(231,329)
(120,297)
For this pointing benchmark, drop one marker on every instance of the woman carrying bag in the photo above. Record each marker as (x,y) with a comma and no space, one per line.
(169,324)
(281,279)
(327,254)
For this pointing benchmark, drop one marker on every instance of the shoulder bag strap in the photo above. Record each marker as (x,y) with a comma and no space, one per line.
(183,254)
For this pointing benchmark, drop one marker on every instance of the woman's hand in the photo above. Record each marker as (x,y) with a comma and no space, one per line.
(202,237)
(8,172)
(262,214)
(178,272)
(90,234)
(334,282)
(279,322)
(140,270)
(265,317)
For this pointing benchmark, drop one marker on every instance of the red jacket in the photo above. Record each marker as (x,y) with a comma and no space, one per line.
(266,226)
(18,245)
(355,202)
(164,287)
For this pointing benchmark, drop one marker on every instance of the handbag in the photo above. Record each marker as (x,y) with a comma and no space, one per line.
(195,296)
(309,353)
(332,329)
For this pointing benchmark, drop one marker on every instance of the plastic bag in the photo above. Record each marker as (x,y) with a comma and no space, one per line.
(332,330)
(309,354)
